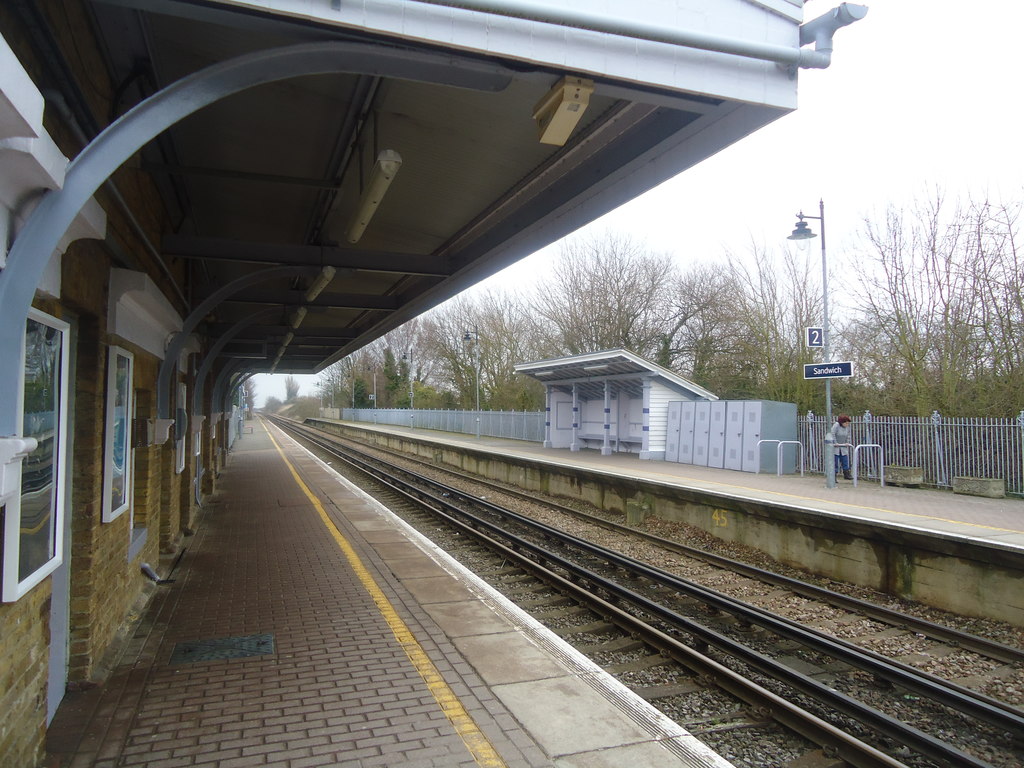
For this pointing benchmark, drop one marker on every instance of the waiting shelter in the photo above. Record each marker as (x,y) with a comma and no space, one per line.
(611,400)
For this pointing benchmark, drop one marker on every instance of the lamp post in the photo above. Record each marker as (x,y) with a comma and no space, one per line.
(376,405)
(407,357)
(801,235)
(473,337)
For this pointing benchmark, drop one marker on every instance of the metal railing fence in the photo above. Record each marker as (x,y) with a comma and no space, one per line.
(942,447)
(514,425)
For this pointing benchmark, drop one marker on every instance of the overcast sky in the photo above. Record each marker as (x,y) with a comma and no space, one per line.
(920,93)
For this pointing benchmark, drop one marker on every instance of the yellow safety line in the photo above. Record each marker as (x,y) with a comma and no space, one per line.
(478,744)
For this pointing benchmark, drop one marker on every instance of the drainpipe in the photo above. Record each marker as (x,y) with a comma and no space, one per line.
(819,31)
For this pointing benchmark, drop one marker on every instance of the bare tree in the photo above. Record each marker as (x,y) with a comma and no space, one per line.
(606,292)
(773,303)
(291,389)
(1000,277)
(330,385)
(701,326)
(920,299)
(501,333)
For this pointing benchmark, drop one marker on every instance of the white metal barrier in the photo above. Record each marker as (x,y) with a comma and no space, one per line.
(778,453)
(881,462)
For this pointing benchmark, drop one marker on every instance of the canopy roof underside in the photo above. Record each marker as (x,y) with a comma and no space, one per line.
(275,174)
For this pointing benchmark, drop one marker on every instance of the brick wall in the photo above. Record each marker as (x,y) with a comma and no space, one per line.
(104,584)
(24,636)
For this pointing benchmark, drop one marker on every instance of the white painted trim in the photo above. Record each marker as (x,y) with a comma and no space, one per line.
(21,103)
(588,53)
(788,9)
(672,379)
(138,312)
(110,514)
(12,451)
(13,589)
(180,404)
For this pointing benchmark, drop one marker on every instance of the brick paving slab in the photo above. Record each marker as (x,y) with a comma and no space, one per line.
(337,688)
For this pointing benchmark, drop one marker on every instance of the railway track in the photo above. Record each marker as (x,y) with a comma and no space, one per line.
(676,641)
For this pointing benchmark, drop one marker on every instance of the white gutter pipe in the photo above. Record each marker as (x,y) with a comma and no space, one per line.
(819,31)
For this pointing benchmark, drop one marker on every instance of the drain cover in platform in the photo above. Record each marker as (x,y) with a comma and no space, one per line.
(222,648)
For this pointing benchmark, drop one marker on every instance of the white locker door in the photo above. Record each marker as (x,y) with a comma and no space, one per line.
(751,435)
(672,431)
(688,415)
(716,435)
(701,429)
(734,423)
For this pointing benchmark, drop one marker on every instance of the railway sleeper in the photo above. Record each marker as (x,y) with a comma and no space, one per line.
(731,721)
(618,645)
(561,612)
(510,576)
(593,628)
(514,588)
(665,690)
(817,758)
(546,602)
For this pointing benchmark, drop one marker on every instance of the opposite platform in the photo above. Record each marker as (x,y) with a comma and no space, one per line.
(306,626)
(941,513)
(963,554)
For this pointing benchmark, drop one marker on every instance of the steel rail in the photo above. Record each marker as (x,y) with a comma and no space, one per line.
(849,748)
(981,645)
(988,710)
(879,721)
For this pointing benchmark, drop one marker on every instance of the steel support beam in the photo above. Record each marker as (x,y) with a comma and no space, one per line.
(214,353)
(50,220)
(177,344)
(323,301)
(220,394)
(222,249)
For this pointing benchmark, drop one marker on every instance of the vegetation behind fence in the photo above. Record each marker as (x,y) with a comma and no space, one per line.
(942,447)
(514,425)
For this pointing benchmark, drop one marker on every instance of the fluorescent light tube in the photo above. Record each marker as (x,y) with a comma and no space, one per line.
(321,282)
(383,173)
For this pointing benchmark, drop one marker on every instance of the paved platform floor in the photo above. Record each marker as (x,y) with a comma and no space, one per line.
(943,513)
(307,626)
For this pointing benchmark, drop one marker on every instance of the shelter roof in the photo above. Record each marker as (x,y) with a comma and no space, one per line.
(357,164)
(589,372)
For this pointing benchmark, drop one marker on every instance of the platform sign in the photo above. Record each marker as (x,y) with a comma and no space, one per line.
(828,370)
(815,337)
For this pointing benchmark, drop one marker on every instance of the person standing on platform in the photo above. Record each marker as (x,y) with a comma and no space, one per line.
(841,437)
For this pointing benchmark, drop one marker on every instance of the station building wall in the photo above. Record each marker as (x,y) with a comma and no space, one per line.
(64,631)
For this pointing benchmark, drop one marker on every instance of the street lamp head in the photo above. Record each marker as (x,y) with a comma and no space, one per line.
(802,231)
(467,336)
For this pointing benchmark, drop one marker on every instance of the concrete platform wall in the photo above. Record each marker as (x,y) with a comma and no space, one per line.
(968,578)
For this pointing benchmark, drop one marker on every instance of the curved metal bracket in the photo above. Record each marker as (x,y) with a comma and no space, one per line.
(167,365)
(50,220)
(235,385)
(215,350)
(225,374)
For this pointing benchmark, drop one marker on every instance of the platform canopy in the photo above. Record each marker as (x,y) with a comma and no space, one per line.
(589,372)
(426,145)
